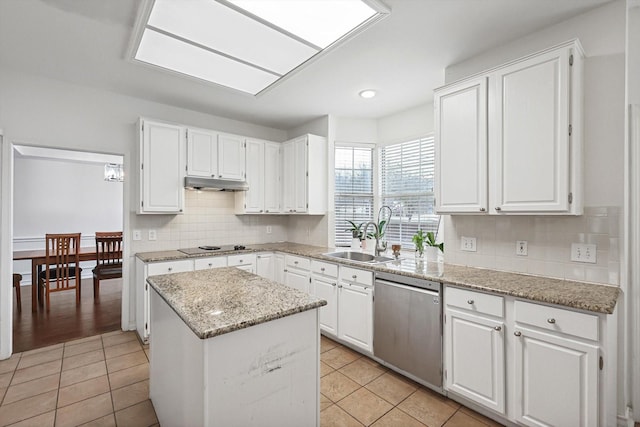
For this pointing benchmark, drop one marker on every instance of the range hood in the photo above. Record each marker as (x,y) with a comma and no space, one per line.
(213,184)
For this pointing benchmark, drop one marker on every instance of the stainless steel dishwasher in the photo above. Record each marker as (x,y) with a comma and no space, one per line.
(407,326)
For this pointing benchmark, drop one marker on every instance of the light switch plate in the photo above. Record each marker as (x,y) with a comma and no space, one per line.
(583,252)
(468,244)
(152,235)
(521,248)
(269,229)
(137,234)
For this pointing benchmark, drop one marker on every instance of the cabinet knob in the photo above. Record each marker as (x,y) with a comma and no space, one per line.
(285,270)
(295,262)
(219,176)
(497,328)
(470,301)
(354,277)
(339,286)
(551,320)
(517,333)
(260,210)
(213,175)
(498,208)
(482,209)
(267,211)
(170,268)
(210,264)
(321,268)
(241,261)
(333,284)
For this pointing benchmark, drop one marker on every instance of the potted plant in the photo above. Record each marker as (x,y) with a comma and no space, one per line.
(418,239)
(428,239)
(356,234)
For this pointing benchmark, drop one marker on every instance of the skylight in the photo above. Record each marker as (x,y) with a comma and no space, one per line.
(247,45)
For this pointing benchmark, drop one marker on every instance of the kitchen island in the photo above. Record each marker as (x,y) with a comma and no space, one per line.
(233,349)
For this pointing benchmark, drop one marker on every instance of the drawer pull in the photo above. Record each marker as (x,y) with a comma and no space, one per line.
(470,301)
(241,261)
(517,333)
(551,320)
(295,262)
(497,328)
(354,277)
(210,264)
(170,268)
(482,209)
(333,284)
(340,286)
(321,268)
(498,208)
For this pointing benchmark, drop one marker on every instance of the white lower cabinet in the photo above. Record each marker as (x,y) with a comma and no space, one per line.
(556,376)
(278,267)
(144,270)
(265,265)
(245,262)
(544,360)
(324,285)
(297,272)
(355,307)
(209,262)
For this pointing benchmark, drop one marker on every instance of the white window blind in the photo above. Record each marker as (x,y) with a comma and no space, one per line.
(353,190)
(407,171)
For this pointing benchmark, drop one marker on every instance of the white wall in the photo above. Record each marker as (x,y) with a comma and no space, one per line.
(412,123)
(549,238)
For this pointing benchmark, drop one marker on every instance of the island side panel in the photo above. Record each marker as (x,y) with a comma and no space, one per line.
(268,374)
(176,380)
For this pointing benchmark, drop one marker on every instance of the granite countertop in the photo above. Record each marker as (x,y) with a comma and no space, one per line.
(578,295)
(218,301)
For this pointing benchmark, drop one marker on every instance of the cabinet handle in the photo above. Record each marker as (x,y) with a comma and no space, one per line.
(339,286)
(482,209)
(552,320)
(517,333)
(321,268)
(497,328)
(210,264)
(498,208)
(241,261)
(470,301)
(170,268)
(354,277)
(286,271)
(213,175)
(295,262)
(333,284)
(219,176)
(267,211)
(260,210)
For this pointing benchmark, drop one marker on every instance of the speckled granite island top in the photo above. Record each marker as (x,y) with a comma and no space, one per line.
(578,295)
(218,301)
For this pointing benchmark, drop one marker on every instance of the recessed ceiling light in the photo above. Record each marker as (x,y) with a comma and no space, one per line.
(246,45)
(368,93)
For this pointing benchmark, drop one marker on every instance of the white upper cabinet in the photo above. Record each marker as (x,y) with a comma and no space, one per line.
(215,155)
(161,166)
(522,122)
(263,178)
(304,166)
(461,147)
(202,153)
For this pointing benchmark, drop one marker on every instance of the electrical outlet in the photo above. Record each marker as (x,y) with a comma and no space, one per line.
(468,244)
(583,252)
(152,235)
(521,248)
(137,235)
(269,230)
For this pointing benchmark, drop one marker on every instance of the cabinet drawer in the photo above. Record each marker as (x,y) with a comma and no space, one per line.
(242,259)
(177,266)
(478,302)
(354,275)
(298,262)
(557,319)
(324,268)
(211,262)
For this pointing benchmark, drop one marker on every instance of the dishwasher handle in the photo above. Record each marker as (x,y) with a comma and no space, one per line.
(411,288)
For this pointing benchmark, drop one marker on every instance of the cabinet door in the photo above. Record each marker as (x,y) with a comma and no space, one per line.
(202,153)
(300,175)
(327,289)
(355,320)
(212,262)
(265,266)
(271,177)
(162,168)
(254,197)
(278,268)
(231,157)
(532,134)
(288,177)
(556,380)
(461,147)
(475,367)
(297,279)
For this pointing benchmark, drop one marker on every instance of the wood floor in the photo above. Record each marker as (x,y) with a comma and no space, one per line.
(66,321)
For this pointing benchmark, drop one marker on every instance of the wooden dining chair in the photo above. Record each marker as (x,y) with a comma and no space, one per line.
(62,266)
(16,284)
(109,258)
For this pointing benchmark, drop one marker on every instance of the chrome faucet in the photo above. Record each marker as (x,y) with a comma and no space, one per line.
(375,227)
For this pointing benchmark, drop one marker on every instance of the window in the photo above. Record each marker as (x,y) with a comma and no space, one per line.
(407,171)
(353,190)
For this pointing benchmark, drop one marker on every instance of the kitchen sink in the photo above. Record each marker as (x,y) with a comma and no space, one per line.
(359,257)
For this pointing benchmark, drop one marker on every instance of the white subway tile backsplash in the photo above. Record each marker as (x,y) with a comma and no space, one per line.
(549,243)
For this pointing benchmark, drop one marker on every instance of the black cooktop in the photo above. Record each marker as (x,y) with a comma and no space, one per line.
(205,249)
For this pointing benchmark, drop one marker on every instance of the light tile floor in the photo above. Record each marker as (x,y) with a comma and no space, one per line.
(357,391)
(104,381)
(101,380)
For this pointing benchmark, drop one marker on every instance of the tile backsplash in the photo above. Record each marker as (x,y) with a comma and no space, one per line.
(208,218)
(549,240)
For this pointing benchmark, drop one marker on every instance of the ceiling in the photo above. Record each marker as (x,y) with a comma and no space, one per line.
(403,57)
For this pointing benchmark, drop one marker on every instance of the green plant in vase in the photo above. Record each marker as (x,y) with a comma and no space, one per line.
(356,229)
(431,241)
(418,239)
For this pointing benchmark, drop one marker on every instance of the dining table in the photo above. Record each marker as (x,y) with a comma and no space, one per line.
(38,259)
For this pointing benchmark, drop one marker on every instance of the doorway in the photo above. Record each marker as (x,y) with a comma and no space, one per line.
(64,191)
